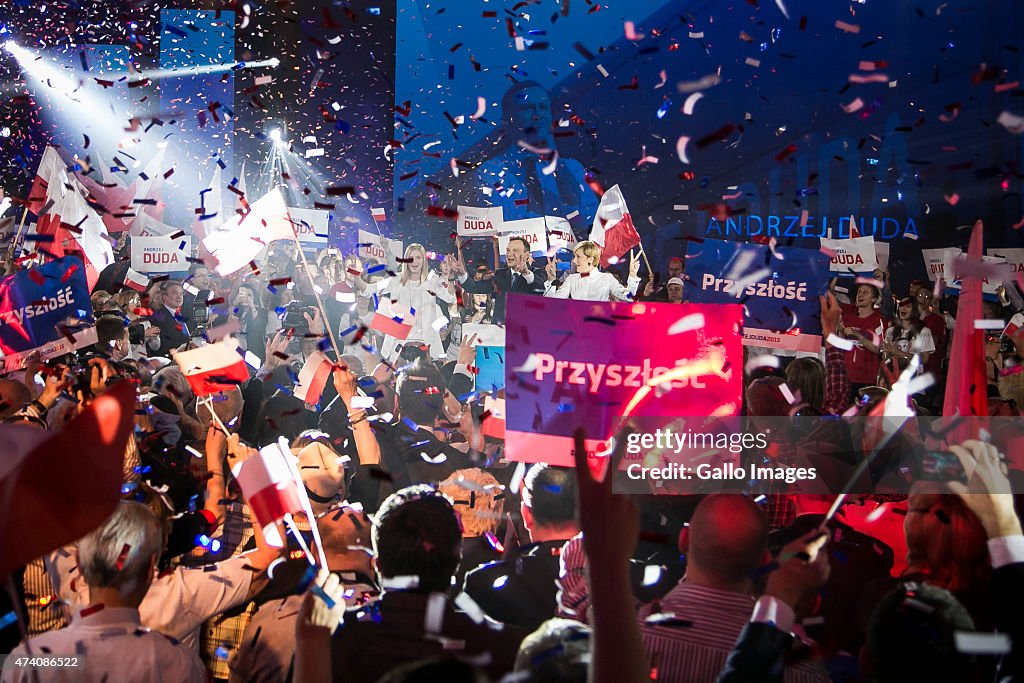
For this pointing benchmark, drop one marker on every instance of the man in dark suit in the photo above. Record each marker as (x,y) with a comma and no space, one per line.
(173,326)
(517,277)
(521,590)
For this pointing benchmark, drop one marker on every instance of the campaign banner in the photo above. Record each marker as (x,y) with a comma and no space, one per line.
(533,230)
(560,234)
(160,254)
(854,255)
(1013,256)
(311,225)
(779,289)
(370,248)
(572,364)
(490,368)
(42,309)
(480,221)
(938,261)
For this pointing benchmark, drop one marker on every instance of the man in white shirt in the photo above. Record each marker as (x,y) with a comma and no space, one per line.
(105,640)
(588,283)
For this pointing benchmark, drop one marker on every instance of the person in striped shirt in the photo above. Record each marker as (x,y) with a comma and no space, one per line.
(689,633)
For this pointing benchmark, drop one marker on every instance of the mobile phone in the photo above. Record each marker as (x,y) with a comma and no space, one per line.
(942,466)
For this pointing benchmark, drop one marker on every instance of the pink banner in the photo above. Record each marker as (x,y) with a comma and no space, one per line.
(589,364)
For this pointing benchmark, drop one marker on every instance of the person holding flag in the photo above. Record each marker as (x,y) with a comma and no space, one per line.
(588,283)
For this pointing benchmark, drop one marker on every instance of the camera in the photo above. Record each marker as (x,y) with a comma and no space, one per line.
(413,351)
(200,314)
(137,334)
(293,317)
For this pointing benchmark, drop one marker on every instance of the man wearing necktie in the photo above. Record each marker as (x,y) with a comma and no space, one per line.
(516,277)
(173,328)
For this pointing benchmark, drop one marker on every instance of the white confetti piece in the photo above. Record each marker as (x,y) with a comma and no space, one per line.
(688,323)
(604,72)
(840,343)
(856,105)
(691,102)
(362,401)
(750,61)
(1011,122)
(761,362)
(989,324)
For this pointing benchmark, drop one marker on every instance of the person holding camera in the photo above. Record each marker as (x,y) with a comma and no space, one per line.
(252,319)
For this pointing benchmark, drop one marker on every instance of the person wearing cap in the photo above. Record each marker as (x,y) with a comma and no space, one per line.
(674,290)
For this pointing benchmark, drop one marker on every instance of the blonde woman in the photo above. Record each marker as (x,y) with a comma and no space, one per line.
(418,288)
(588,283)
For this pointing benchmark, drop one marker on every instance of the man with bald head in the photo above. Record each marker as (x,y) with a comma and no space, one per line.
(689,633)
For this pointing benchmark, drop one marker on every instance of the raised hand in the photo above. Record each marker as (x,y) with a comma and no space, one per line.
(987,492)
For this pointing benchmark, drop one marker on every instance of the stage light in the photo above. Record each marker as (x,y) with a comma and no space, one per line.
(209,69)
(10,46)
(275,135)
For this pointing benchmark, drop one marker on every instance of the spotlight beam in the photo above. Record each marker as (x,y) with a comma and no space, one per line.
(157,74)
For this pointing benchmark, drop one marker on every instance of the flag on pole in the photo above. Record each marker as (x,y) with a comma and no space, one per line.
(966,380)
(379,215)
(270,488)
(313,378)
(58,199)
(613,228)
(214,367)
(240,240)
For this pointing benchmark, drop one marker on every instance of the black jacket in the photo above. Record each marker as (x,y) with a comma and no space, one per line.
(501,284)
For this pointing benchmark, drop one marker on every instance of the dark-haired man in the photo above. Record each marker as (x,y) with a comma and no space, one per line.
(522,590)
(517,278)
(417,546)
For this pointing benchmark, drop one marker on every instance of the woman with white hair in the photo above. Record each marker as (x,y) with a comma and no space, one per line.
(413,294)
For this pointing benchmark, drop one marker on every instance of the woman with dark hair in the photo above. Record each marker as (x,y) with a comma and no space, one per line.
(908,337)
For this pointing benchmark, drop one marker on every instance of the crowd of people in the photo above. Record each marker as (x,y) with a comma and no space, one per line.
(445,561)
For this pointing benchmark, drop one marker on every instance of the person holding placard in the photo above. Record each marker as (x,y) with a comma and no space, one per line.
(517,277)
(588,283)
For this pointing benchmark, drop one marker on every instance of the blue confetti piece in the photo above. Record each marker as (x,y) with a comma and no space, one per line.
(222,652)
(566,407)
(410,424)
(376,269)
(8,619)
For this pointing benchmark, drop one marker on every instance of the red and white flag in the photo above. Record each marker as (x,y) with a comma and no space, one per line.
(214,367)
(237,242)
(271,488)
(58,198)
(313,378)
(613,228)
(379,215)
(136,280)
(393,320)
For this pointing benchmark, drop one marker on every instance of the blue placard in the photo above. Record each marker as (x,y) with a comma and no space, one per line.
(779,289)
(490,363)
(33,303)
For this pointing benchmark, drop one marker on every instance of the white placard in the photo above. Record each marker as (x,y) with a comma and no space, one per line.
(856,254)
(882,253)
(311,225)
(480,221)
(938,261)
(160,254)
(1013,256)
(560,234)
(533,230)
(370,247)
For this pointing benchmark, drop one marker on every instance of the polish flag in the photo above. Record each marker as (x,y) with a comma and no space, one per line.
(271,488)
(58,199)
(237,242)
(393,320)
(379,215)
(136,280)
(214,367)
(313,378)
(613,229)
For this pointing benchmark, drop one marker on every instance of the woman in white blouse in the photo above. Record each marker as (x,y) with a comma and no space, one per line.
(418,288)
(588,283)
(908,336)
